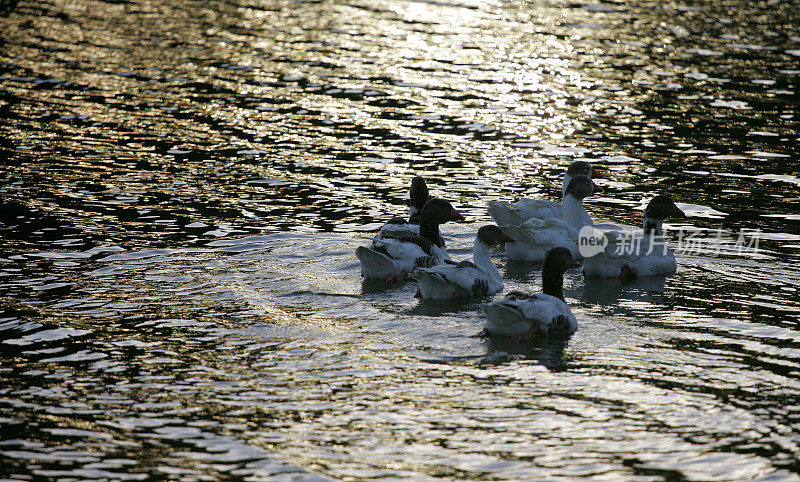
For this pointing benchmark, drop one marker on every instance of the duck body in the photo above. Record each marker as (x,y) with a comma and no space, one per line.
(519,314)
(522,316)
(528,208)
(454,281)
(392,257)
(465,279)
(642,255)
(536,236)
(516,214)
(399,227)
(630,254)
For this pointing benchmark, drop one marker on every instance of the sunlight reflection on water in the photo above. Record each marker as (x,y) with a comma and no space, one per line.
(185,187)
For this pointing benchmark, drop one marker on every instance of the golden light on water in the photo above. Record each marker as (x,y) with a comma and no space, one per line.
(184,187)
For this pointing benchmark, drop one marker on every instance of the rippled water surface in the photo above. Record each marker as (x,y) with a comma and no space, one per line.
(183,186)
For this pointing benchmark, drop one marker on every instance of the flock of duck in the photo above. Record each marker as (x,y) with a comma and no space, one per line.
(532,230)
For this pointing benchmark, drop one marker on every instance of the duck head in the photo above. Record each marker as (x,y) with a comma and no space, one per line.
(556,262)
(491,235)
(579,168)
(436,212)
(418,196)
(658,209)
(581,186)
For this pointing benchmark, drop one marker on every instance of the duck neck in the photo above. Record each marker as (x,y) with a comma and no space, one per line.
(567,179)
(652,226)
(553,284)
(429,230)
(481,257)
(413,215)
(574,213)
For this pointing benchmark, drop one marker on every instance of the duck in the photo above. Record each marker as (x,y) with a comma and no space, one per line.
(517,213)
(521,316)
(536,236)
(392,258)
(418,196)
(466,279)
(628,255)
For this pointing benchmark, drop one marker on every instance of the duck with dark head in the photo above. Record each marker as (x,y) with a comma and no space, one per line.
(392,258)
(418,196)
(528,208)
(628,255)
(522,316)
(466,279)
(535,237)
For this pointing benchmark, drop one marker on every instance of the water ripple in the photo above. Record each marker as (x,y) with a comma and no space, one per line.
(183,190)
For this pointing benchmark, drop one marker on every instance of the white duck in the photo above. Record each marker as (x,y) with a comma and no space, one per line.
(418,196)
(536,236)
(521,316)
(517,213)
(628,255)
(465,279)
(392,258)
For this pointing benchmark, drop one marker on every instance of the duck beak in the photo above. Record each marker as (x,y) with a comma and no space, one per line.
(596,174)
(676,211)
(508,238)
(456,216)
(595,188)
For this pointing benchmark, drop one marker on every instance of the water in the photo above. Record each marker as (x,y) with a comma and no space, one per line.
(184,186)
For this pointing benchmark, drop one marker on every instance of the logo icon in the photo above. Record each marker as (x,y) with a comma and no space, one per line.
(591,241)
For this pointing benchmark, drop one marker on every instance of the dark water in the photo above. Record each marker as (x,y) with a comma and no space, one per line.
(184,184)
